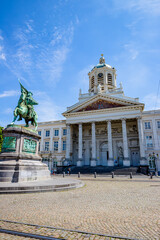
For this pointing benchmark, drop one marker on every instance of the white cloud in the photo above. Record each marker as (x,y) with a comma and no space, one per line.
(151,7)
(8,111)
(47,110)
(152,101)
(131,49)
(2,56)
(10,93)
(1,38)
(29,26)
(36,53)
(82,81)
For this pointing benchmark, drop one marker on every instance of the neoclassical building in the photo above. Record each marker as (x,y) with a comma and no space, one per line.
(104,128)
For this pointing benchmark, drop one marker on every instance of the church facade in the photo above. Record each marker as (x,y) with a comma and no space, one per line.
(104,128)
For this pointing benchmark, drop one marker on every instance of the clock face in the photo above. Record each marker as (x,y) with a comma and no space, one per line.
(100,75)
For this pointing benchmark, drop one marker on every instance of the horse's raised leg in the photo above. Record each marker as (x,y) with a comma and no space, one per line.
(34,122)
(15,116)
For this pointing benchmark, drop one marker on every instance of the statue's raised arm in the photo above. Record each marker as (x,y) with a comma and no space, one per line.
(25,108)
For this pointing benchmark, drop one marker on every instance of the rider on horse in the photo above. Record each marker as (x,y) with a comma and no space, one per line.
(25,107)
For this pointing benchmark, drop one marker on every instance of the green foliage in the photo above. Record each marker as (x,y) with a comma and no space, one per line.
(1,137)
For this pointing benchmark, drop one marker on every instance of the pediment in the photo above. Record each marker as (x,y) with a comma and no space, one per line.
(100,104)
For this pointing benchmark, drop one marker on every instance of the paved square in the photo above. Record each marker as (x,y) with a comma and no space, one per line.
(124,208)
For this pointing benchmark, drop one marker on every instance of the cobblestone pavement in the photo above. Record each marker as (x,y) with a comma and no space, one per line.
(11,237)
(44,231)
(121,207)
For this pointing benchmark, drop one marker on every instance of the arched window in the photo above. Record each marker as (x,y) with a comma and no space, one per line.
(109,79)
(92,82)
(100,78)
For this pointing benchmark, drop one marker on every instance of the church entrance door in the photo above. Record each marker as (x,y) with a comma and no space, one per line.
(104,154)
(135,159)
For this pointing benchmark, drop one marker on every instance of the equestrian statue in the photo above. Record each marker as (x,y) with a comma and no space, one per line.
(25,108)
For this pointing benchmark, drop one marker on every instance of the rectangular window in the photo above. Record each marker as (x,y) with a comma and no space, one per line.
(64,145)
(46,148)
(64,132)
(56,132)
(55,146)
(39,133)
(158,124)
(147,125)
(47,133)
(149,142)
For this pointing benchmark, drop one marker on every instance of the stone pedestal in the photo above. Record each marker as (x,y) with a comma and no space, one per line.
(79,162)
(66,162)
(143,162)
(110,163)
(93,163)
(19,159)
(126,162)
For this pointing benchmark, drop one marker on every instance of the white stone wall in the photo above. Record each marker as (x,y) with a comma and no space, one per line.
(51,155)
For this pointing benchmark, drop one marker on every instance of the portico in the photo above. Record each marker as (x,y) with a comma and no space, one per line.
(105,143)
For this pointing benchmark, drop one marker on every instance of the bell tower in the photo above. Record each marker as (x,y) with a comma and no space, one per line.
(102,77)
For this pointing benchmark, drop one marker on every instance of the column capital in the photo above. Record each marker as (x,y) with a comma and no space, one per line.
(108,120)
(79,123)
(123,119)
(139,117)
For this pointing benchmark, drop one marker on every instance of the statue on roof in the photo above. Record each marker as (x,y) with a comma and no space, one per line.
(25,108)
(102,59)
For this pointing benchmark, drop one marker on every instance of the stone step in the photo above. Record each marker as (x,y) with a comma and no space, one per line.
(45,186)
(102,170)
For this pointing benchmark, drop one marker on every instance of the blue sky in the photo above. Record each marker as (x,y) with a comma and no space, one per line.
(52,45)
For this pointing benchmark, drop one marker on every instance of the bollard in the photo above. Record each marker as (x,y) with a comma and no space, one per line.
(63,174)
(95,175)
(112,174)
(130,175)
(79,175)
(151,176)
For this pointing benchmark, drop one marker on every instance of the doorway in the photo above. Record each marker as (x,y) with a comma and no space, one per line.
(135,158)
(104,154)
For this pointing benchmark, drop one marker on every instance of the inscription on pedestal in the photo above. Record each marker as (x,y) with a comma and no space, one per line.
(9,144)
(29,145)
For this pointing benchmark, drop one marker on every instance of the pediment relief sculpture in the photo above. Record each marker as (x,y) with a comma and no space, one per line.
(101,104)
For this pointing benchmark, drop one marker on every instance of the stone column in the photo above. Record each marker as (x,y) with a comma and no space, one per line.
(51,140)
(68,146)
(60,141)
(110,160)
(126,161)
(98,153)
(80,146)
(93,160)
(143,160)
(106,81)
(155,135)
(42,141)
(87,160)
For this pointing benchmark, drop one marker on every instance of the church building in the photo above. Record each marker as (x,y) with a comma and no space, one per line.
(104,128)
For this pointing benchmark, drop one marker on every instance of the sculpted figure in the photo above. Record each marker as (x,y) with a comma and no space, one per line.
(120,152)
(25,108)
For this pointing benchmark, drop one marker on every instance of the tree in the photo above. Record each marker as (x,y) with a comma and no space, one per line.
(1,137)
